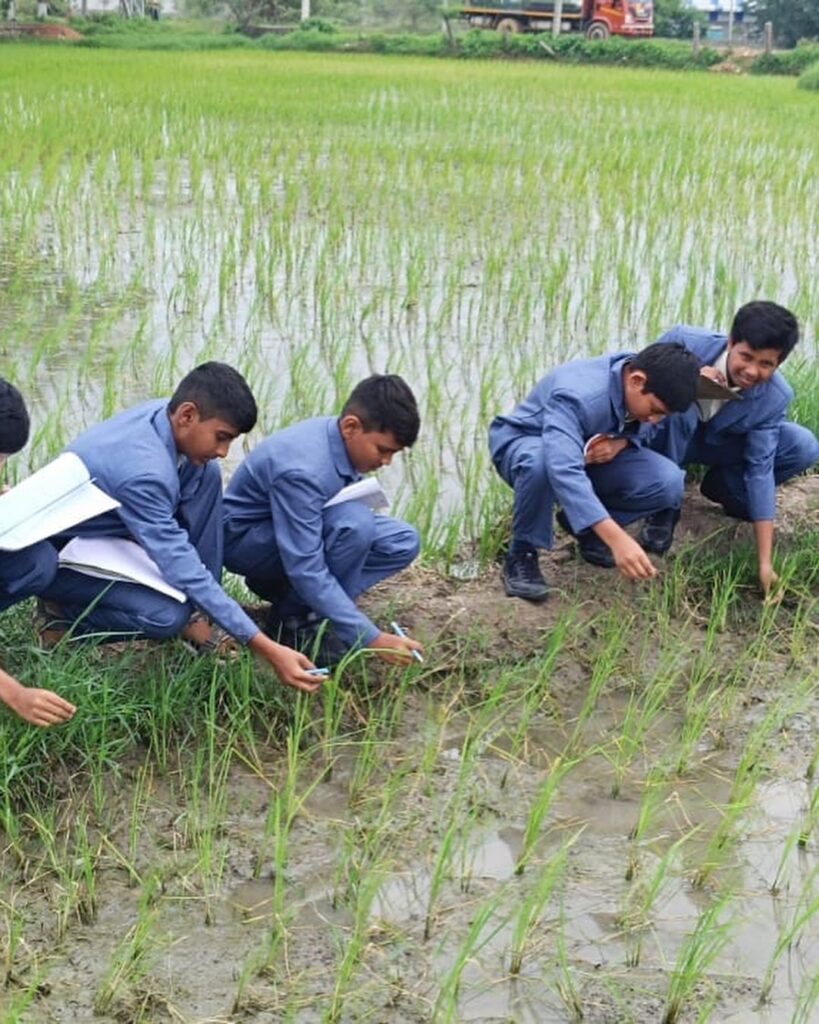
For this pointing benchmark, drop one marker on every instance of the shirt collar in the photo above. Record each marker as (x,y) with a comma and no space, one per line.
(617,393)
(161,420)
(338,449)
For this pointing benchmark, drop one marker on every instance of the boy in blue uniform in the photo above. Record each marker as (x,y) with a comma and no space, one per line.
(748,444)
(309,561)
(23,574)
(157,461)
(573,442)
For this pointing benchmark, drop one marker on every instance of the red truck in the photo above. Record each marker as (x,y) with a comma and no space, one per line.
(599,19)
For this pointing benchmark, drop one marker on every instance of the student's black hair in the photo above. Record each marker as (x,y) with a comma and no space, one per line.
(14,421)
(385,403)
(672,373)
(218,391)
(765,324)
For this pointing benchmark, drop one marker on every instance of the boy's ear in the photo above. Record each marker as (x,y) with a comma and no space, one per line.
(636,380)
(350,425)
(186,413)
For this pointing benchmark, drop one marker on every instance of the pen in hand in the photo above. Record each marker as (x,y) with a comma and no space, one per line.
(400,632)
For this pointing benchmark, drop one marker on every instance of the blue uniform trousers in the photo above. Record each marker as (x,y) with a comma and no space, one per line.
(634,484)
(360,550)
(26,573)
(681,438)
(97,606)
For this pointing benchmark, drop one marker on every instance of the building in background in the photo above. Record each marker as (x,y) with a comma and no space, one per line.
(728,20)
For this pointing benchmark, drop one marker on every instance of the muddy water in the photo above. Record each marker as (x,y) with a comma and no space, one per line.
(227,941)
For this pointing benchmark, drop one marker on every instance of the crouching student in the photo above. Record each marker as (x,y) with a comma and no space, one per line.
(25,574)
(748,445)
(309,561)
(158,460)
(573,442)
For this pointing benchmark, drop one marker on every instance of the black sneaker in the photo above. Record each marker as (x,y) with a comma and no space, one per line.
(592,549)
(313,637)
(657,532)
(522,577)
(713,488)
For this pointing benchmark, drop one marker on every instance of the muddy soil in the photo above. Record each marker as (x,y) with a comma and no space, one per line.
(195,917)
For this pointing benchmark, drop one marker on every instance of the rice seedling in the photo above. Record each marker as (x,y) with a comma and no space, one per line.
(133,955)
(699,950)
(539,809)
(355,941)
(804,912)
(482,930)
(529,915)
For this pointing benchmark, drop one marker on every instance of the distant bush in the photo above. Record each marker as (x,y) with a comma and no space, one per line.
(809,79)
(478,44)
(787,62)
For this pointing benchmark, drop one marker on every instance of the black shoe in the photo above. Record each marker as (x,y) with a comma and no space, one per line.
(658,531)
(592,549)
(522,577)
(713,488)
(314,638)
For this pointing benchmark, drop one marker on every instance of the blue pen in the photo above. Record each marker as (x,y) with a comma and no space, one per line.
(400,632)
(318,671)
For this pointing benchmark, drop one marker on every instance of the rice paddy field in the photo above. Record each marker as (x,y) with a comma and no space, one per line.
(600,809)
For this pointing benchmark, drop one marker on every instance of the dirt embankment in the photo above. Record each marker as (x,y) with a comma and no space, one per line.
(39,30)
(474,615)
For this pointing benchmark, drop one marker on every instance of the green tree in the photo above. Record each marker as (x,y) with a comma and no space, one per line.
(674,19)
(792,19)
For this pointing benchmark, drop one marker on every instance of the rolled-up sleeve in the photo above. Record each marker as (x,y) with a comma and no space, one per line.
(296,505)
(565,462)
(148,513)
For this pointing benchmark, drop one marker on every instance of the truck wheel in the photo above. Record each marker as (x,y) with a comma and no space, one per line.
(598,30)
(509,26)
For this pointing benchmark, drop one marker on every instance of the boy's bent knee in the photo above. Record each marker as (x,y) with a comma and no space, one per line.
(349,523)
(799,446)
(165,621)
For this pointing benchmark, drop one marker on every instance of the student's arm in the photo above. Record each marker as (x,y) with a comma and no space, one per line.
(296,505)
(565,462)
(147,512)
(565,465)
(37,707)
(764,534)
(760,486)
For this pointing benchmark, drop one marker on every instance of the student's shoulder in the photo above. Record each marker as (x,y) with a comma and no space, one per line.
(294,448)
(125,444)
(779,390)
(703,341)
(581,378)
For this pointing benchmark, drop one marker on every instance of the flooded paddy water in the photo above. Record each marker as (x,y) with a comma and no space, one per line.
(601,809)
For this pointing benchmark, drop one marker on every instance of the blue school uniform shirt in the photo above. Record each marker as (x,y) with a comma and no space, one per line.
(133,457)
(566,408)
(286,481)
(756,418)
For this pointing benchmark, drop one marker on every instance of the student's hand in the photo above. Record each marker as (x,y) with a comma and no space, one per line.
(395,649)
(631,560)
(769,585)
(604,449)
(41,707)
(289,665)
(712,373)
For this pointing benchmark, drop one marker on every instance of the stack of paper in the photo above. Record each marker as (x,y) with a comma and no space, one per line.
(117,559)
(367,490)
(54,499)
